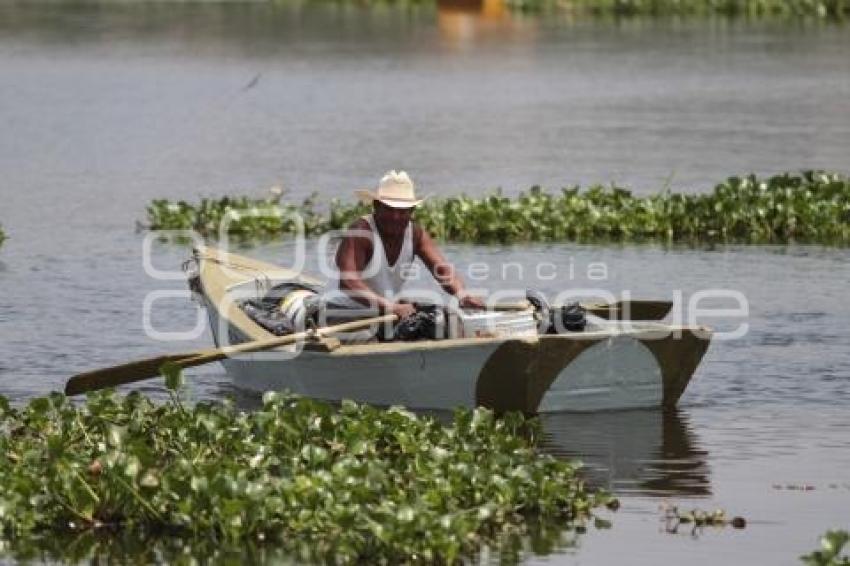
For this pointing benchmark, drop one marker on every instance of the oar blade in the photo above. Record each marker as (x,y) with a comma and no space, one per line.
(120,375)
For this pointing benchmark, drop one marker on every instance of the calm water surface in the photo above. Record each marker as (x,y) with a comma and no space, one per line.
(104,108)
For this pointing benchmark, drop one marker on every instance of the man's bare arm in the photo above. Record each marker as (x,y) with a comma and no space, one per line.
(443,271)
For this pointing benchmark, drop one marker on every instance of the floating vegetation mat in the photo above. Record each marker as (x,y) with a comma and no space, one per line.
(832,9)
(317,482)
(696,519)
(812,207)
(2,236)
(821,9)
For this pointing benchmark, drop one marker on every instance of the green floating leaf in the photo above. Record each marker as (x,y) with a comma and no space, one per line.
(832,544)
(173,375)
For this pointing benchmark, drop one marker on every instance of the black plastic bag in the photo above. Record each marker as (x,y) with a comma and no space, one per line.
(427,323)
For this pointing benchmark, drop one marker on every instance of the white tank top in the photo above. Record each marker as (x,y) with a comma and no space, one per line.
(381,277)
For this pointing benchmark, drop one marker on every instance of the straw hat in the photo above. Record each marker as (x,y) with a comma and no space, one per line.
(395,189)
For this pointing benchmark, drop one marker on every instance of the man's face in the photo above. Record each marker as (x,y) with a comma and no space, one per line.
(391,221)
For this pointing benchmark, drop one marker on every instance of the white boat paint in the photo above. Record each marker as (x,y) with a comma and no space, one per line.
(612,365)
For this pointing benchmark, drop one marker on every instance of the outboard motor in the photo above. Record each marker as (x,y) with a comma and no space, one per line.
(558,319)
(569,318)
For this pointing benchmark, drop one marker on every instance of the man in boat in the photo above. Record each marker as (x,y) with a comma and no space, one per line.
(375,255)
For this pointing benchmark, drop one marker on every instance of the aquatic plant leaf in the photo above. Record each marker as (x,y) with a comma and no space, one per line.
(832,544)
(173,375)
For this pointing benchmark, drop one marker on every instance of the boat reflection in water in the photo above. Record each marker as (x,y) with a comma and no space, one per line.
(645,452)
(648,452)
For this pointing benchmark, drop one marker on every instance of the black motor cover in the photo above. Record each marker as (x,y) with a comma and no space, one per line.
(572,318)
(558,319)
(427,323)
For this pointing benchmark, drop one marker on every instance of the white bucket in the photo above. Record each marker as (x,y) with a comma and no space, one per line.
(489,324)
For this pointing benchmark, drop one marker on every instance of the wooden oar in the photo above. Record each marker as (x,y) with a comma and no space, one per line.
(150,367)
(621,310)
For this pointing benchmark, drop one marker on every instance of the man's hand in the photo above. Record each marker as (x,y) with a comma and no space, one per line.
(403,310)
(471,302)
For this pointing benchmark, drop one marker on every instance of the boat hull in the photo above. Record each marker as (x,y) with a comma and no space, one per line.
(616,365)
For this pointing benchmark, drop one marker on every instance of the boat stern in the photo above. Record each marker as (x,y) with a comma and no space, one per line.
(593,371)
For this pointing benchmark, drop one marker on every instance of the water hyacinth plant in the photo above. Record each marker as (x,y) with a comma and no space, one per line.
(831,9)
(826,9)
(832,544)
(809,207)
(244,217)
(345,484)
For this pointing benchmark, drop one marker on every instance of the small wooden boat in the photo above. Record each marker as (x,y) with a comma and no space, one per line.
(611,365)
